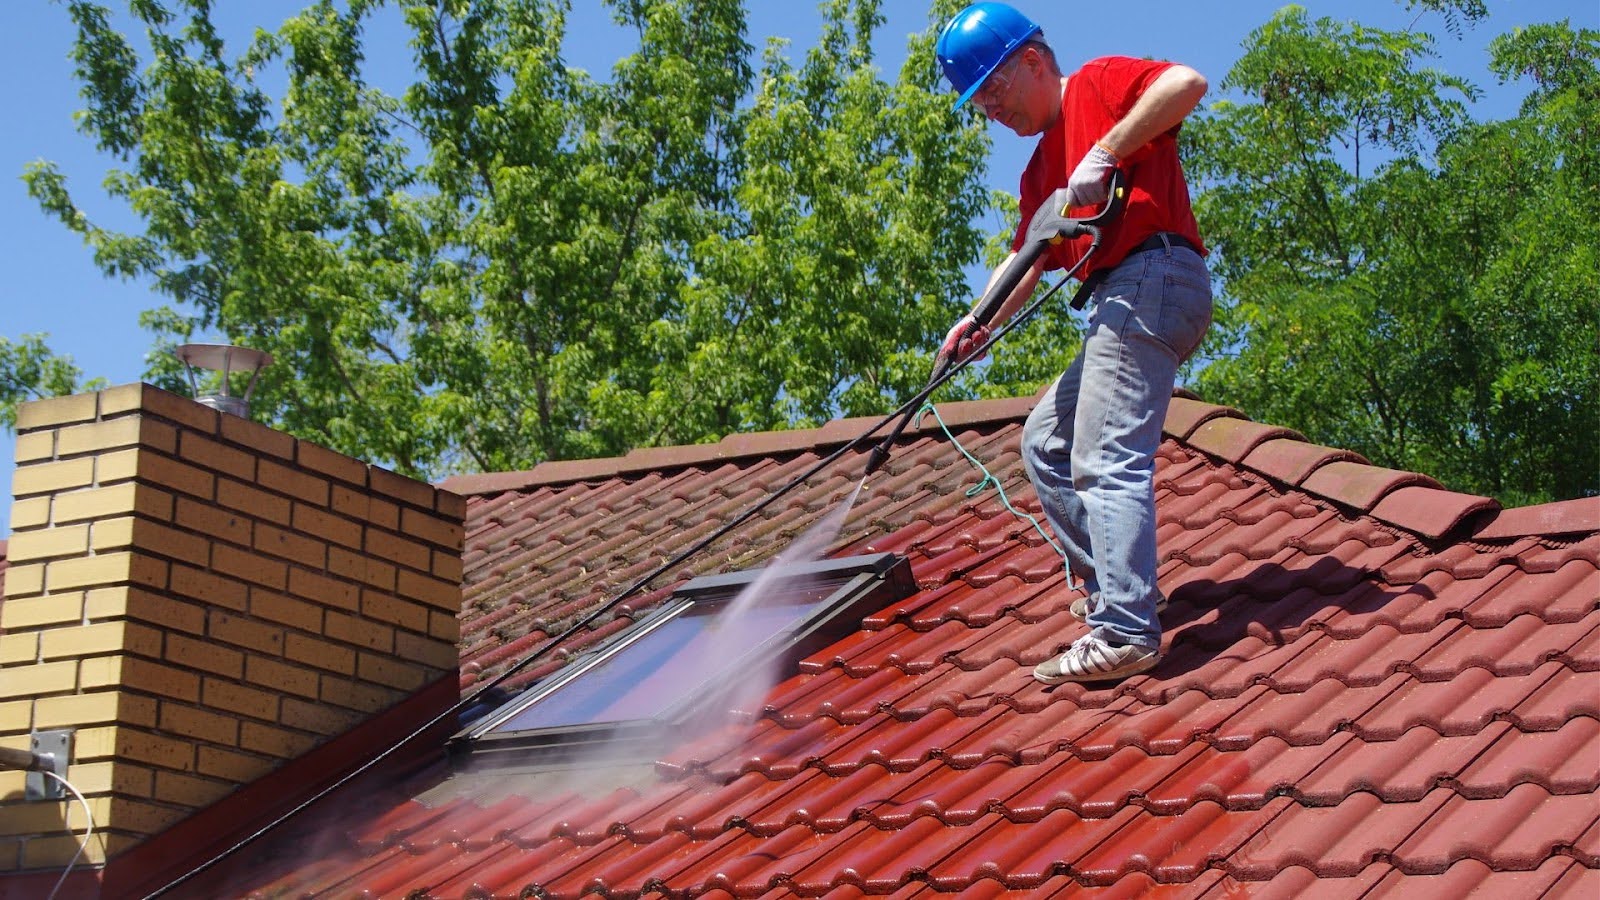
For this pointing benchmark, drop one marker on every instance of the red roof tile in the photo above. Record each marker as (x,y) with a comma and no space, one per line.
(1365,689)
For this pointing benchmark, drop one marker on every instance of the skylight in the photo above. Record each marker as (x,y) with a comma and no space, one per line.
(689,656)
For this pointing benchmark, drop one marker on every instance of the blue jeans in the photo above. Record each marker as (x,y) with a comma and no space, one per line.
(1089,447)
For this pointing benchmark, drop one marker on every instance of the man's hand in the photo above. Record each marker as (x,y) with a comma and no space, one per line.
(1089,184)
(965,337)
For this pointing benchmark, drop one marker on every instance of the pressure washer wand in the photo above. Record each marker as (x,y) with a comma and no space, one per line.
(1049,225)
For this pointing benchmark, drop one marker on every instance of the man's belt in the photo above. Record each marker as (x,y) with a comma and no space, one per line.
(1153,242)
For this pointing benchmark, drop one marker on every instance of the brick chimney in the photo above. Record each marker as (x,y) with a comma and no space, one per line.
(195,600)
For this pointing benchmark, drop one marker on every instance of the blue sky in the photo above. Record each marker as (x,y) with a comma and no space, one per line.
(52,287)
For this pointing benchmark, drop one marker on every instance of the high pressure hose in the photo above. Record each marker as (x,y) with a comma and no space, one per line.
(1049,225)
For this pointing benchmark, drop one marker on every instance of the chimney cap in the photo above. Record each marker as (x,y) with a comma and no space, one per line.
(226,359)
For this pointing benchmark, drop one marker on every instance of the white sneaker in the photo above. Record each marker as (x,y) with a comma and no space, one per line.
(1092,659)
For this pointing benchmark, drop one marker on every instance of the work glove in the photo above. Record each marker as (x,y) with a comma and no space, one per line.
(965,337)
(1091,180)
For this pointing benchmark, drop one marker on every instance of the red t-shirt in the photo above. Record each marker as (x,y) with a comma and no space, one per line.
(1097,97)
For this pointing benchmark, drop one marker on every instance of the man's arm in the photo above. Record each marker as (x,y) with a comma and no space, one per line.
(1169,99)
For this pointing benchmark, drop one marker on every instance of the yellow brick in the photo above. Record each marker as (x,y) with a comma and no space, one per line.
(122,399)
(259,438)
(101,637)
(205,725)
(397,549)
(126,814)
(16,717)
(247,565)
(187,790)
(243,632)
(218,457)
(48,543)
(391,484)
(22,581)
(36,446)
(280,678)
(317,717)
(252,501)
(100,672)
(182,410)
(236,698)
(451,506)
(326,462)
(447,565)
(437,531)
(157,750)
(319,653)
(293,547)
(365,569)
(386,670)
(207,587)
(33,512)
(19,647)
(435,592)
(155,678)
(115,500)
(355,695)
(317,522)
(105,570)
(440,655)
(239,768)
(55,850)
(37,612)
(193,654)
(275,607)
(117,465)
(55,411)
(109,777)
(144,606)
(445,627)
(13,782)
(126,431)
(99,708)
(352,630)
(300,485)
(212,521)
(43,678)
(387,608)
(154,539)
(324,591)
(50,477)
(177,475)
(279,742)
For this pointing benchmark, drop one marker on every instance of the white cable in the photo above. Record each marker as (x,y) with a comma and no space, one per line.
(88,816)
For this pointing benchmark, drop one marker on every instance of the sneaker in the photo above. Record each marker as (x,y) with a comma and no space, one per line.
(1080,606)
(1092,659)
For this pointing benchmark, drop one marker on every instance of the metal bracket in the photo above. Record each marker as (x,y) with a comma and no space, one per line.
(57,745)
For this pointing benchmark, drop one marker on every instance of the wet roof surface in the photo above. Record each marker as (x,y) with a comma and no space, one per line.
(1370,685)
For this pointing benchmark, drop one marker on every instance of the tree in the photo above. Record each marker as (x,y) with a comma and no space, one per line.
(515,262)
(1396,278)
(30,371)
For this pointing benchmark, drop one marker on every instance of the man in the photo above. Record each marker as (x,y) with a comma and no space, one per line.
(1089,446)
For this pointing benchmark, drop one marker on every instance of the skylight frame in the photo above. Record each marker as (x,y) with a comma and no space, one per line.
(861,585)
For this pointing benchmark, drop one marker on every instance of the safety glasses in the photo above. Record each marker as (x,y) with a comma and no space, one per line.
(996,85)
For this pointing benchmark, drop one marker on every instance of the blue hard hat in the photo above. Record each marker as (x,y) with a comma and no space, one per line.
(977,40)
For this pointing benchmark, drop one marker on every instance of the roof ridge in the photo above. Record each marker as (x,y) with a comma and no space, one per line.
(732,448)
